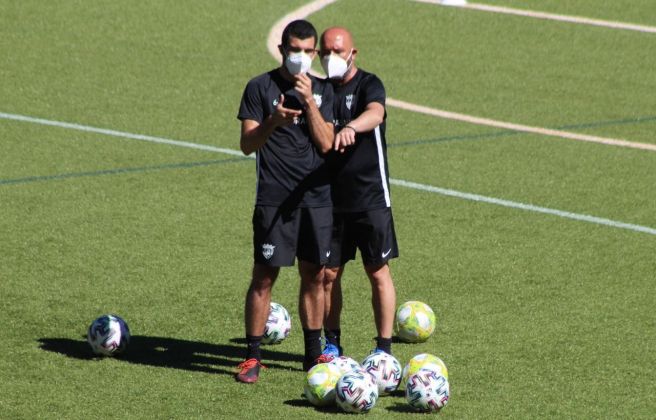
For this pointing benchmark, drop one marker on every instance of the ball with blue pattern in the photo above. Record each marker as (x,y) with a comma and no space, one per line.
(356,391)
(108,335)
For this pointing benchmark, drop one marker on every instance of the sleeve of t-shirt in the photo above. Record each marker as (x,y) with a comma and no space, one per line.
(374,91)
(251,103)
(326,107)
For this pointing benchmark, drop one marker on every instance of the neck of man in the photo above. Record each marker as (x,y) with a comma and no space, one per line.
(349,75)
(285,73)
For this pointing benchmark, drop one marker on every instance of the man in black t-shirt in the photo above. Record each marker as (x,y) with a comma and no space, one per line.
(286,118)
(360,189)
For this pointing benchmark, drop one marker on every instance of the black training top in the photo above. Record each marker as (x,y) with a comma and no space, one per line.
(290,169)
(360,179)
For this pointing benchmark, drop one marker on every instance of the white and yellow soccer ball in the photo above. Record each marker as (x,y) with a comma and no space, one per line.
(356,391)
(345,364)
(385,369)
(427,391)
(424,361)
(108,335)
(278,325)
(320,384)
(415,322)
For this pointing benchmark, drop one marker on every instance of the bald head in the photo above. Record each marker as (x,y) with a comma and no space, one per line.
(338,41)
(337,37)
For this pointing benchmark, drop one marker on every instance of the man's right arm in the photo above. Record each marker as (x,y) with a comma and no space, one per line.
(254,134)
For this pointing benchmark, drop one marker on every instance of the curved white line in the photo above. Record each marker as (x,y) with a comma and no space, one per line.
(275,35)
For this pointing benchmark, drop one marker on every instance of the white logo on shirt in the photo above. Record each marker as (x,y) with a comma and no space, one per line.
(385,254)
(349,101)
(275,102)
(317,99)
(267,250)
(327,254)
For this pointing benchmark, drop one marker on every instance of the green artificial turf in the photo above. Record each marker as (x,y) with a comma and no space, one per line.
(539,316)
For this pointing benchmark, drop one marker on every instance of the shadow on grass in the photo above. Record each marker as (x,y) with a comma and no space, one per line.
(403,408)
(305,403)
(174,353)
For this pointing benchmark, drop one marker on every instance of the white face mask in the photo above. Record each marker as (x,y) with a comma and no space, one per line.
(335,66)
(298,63)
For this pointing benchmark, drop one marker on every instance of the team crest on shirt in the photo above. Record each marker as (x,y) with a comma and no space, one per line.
(317,99)
(275,102)
(349,101)
(267,250)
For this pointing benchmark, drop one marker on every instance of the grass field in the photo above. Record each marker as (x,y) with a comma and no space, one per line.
(540,316)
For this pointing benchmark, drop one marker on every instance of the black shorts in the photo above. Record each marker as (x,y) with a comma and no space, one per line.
(372,232)
(279,236)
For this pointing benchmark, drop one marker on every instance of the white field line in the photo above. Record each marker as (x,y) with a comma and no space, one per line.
(115,133)
(548,16)
(399,182)
(522,206)
(518,127)
(275,35)
(562,18)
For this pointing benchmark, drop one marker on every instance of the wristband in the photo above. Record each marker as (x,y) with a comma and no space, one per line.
(354,130)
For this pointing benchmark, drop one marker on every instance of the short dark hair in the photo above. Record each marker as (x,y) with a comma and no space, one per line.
(301,29)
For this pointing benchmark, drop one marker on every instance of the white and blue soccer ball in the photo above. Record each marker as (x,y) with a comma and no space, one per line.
(345,364)
(356,391)
(278,325)
(385,369)
(320,384)
(108,335)
(427,390)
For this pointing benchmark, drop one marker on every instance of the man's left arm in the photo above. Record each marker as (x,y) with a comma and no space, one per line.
(322,132)
(372,116)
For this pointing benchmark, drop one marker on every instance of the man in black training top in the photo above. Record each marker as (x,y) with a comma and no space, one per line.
(286,118)
(360,189)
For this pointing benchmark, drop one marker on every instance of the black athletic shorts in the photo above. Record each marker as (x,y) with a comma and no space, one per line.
(280,236)
(372,232)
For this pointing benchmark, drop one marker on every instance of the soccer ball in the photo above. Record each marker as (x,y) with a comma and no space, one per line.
(385,369)
(427,390)
(424,361)
(345,364)
(108,335)
(356,391)
(278,325)
(415,322)
(320,384)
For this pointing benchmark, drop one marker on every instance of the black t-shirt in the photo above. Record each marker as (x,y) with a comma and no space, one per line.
(360,179)
(291,171)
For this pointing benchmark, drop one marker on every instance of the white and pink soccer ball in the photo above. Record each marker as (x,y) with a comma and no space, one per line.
(427,390)
(385,369)
(356,391)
